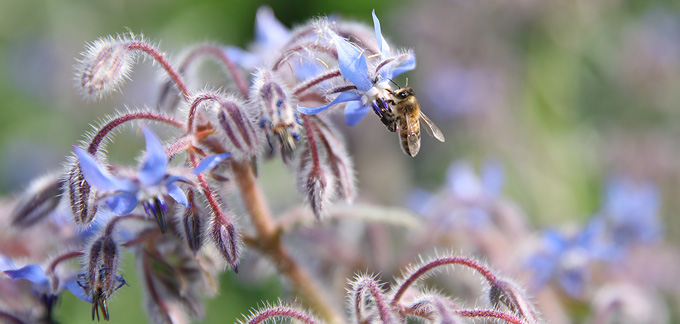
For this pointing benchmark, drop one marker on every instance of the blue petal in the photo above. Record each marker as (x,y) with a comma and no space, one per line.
(382,44)
(241,57)
(155,163)
(33,273)
(210,162)
(352,64)
(492,178)
(122,203)
(97,175)
(355,112)
(177,194)
(405,63)
(76,290)
(268,30)
(342,97)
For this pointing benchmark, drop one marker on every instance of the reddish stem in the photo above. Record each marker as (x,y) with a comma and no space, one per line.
(281,312)
(153,293)
(194,106)
(219,53)
(490,277)
(111,125)
(489,313)
(321,78)
(112,224)
(158,56)
(53,265)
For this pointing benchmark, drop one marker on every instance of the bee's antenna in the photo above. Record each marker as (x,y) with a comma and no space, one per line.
(398,86)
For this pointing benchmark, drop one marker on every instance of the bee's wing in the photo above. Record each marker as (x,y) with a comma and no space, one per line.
(412,135)
(431,128)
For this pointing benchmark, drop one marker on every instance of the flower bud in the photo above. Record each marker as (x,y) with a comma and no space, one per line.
(507,293)
(101,278)
(82,197)
(276,114)
(104,66)
(192,224)
(41,198)
(315,181)
(226,239)
(237,130)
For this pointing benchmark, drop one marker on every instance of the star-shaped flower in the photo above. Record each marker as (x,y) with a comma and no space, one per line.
(369,89)
(150,185)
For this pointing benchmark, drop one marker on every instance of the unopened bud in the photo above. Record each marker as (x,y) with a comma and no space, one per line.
(277,116)
(82,197)
(192,224)
(104,66)
(316,182)
(509,294)
(101,278)
(239,134)
(41,198)
(226,239)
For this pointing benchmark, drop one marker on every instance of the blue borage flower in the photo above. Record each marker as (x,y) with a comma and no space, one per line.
(150,185)
(369,89)
(41,284)
(567,258)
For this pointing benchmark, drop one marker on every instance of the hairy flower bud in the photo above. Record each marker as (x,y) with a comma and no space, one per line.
(104,66)
(277,117)
(101,278)
(82,197)
(40,198)
(226,239)
(507,293)
(315,181)
(237,130)
(192,224)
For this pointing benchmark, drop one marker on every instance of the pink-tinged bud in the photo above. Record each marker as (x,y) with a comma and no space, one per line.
(272,100)
(101,278)
(226,239)
(104,66)
(337,159)
(507,293)
(237,130)
(82,197)
(315,182)
(192,224)
(40,198)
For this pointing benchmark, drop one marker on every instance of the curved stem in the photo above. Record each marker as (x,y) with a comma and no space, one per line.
(53,265)
(488,313)
(158,56)
(281,312)
(321,78)
(112,124)
(490,277)
(208,96)
(221,55)
(112,224)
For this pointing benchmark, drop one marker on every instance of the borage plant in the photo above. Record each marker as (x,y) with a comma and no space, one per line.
(171,211)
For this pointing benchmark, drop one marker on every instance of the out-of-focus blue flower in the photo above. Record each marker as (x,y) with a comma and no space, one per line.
(467,199)
(270,36)
(42,284)
(567,258)
(151,184)
(631,211)
(369,87)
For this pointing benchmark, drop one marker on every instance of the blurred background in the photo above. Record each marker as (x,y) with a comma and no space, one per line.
(563,94)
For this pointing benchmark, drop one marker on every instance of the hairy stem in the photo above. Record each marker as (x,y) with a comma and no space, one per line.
(220,54)
(158,56)
(269,242)
(490,277)
(111,125)
(281,312)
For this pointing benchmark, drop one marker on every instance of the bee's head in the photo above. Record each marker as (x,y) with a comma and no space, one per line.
(403,93)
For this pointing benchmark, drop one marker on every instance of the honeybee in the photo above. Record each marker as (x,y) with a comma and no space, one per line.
(407,116)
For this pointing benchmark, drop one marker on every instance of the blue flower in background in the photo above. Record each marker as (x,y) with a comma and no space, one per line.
(567,258)
(368,88)
(41,284)
(270,36)
(631,211)
(150,185)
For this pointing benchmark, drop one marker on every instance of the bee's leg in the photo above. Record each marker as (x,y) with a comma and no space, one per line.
(121,283)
